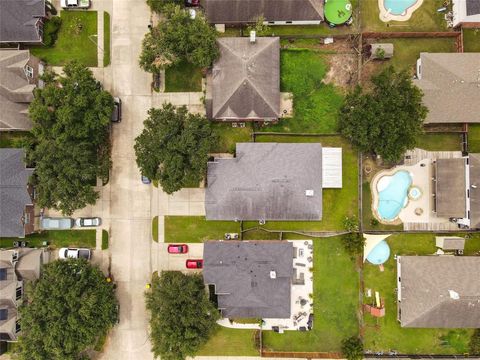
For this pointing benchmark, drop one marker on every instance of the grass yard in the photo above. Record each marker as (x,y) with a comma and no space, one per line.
(441,142)
(337,203)
(315,104)
(106,39)
(56,239)
(335,286)
(471,40)
(76,40)
(230,342)
(426,18)
(12,139)
(155,229)
(228,136)
(384,334)
(195,229)
(183,77)
(105,238)
(474,138)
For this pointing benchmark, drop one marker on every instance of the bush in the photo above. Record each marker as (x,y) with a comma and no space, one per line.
(353,243)
(374,222)
(158,5)
(350,223)
(352,348)
(50,30)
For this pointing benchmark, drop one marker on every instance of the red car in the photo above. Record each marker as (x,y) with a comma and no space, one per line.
(177,249)
(194,264)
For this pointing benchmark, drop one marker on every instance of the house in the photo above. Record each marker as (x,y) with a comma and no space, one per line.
(245,81)
(16,267)
(252,279)
(466,13)
(438,291)
(275,12)
(272,181)
(19,73)
(21,21)
(449,82)
(17,214)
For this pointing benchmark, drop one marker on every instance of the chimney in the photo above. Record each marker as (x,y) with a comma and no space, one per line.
(252,36)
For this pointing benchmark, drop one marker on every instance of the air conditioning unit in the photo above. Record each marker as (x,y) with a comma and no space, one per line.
(252,36)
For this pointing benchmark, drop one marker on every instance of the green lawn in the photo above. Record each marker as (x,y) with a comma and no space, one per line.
(426,18)
(441,142)
(183,77)
(228,136)
(384,334)
(106,39)
(12,139)
(77,39)
(315,104)
(105,238)
(335,287)
(155,229)
(192,229)
(474,138)
(57,239)
(230,342)
(471,40)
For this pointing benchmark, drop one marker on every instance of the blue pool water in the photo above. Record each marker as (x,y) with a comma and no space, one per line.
(379,253)
(398,7)
(393,194)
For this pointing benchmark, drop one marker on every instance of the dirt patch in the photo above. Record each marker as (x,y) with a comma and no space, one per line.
(343,70)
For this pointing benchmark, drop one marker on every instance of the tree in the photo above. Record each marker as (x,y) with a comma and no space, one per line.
(66,311)
(353,243)
(173,147)
(386,121)
(352,348)
(182,316)
(177,38)
(70,143)
(158,5)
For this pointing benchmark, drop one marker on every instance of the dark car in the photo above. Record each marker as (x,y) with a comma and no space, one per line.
(146,180)
(177,249)
(117,110)
(194,264)
(192,2)
(310,322)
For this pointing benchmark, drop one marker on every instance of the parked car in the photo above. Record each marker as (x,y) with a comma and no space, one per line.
(194,264)
(74,253)
(192,2)
(75,4)
(56,223)
(88,222)
(146,180)
(177,249)
(117,110)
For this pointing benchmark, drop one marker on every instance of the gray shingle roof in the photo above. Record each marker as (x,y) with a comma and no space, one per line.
(13,192)
(450,85)
(266,181)
(241,271)
(16,90)
(429,286)
(473,7)
(18,20)
(246,79)
(244,11)
(450,188)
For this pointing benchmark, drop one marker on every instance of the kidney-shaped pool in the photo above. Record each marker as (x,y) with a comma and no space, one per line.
(393,194)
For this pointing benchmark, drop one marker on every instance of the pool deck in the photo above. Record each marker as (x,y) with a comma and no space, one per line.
(385,15)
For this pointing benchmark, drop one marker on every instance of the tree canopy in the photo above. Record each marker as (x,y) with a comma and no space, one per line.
(177,38)
(386,121)
(70,142)
(182,316)
(158,5)
(66,311)
(352,348)
(173,147)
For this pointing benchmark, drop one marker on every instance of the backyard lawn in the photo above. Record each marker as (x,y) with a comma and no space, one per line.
(228,136)
(56,239)
(192,229)
(315,104)
(474,138)
(183,77)
(230,342)
(335,287)
(426,18)
(471,40)
(440,142)
(384,334)
(77,39)
(12,139)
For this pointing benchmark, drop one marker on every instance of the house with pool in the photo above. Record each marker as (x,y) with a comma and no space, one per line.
(430,191)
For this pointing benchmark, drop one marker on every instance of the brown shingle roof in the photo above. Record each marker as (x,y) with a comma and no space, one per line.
(450,188)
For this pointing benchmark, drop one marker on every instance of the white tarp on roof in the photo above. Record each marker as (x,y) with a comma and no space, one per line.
(331,167)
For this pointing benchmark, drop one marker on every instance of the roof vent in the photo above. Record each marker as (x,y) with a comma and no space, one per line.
(453,295)
(309,193)
(252,36)
(273,274)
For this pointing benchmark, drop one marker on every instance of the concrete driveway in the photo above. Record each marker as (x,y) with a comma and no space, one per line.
(176,262)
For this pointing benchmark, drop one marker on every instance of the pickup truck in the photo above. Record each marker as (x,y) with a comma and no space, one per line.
(75,4)
(73,253)
(56,223)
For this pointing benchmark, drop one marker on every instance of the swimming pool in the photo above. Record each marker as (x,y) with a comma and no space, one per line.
(398,7)
(379,254)
(393,194)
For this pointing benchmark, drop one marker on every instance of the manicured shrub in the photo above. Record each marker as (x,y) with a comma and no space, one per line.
(50,30)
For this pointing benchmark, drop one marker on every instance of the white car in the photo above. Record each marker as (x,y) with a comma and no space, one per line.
(75,4)
(73,253)
(88,222)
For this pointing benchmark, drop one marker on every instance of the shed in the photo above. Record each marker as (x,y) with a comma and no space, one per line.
(450,242)
(381,51)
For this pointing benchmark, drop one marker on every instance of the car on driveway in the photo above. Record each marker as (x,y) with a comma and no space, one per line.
(88,222)
(75,4)
(56,223)
(74,253)
(177,249)
(194,264)
(117,110)
(146,180)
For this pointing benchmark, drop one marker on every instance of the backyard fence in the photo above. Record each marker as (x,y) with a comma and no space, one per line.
(411,34)
(301,355)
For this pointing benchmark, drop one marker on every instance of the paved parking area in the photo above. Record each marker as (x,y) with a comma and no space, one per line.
(176,262)
(185,202)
